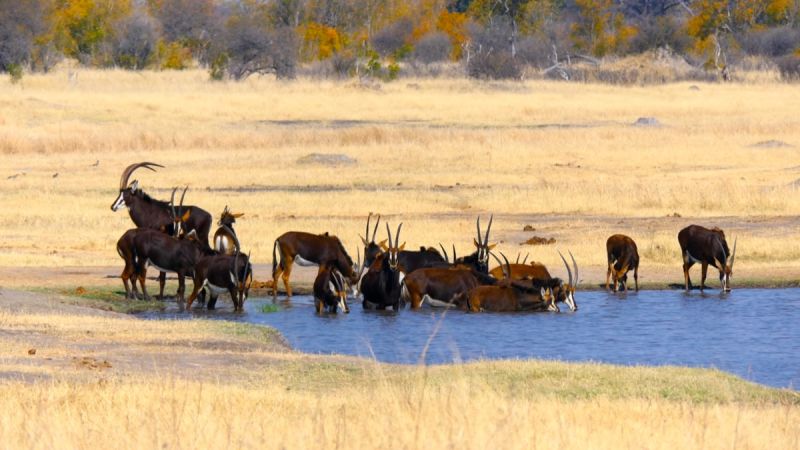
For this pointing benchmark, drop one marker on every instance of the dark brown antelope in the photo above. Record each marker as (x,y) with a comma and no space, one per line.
(564,293)
(439,286)
(225,235)
(510,296)
(330,291)
(308,249)
(409,260)
(480,258)
(147,212)
(707,247)
(380,286)
(125,251)
(622,257)
(223,273)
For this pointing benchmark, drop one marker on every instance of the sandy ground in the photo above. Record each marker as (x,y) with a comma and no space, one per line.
(38,341)
(566,230)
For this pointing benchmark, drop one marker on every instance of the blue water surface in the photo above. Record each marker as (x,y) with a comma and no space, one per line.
(754,333)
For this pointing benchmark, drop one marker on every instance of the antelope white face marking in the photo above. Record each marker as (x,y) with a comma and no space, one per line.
(220,244)
(400,277)
(304,262)
(120,203)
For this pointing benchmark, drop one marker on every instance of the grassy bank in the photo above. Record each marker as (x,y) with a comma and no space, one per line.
(105,380)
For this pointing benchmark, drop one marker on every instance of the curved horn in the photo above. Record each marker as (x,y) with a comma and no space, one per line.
(397,236)
(478,225)
(486,239)
(126,174)
(507,264)
(233,235)
(444,252)
(526,259)
(502,267)
(454,253)
(733,254)
(575,265)
(518,255)
(375,230)
(183,194)
(569,272)
(172,203)
(389,232)
(366,233)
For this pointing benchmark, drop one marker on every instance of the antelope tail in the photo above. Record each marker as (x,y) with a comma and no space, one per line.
(274,259)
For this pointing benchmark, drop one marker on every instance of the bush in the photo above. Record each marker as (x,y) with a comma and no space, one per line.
(391,40)
(492,57)
(772,42)
(20,23)
(535,52)
(659,32)
(789,67)
(433,47)
(250,47)
(136,42)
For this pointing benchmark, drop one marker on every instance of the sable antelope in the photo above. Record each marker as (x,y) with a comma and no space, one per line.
(622,257)
(480,258)
(308,249)
(564,293)
(699,244)
(225,235)
(126,251)
(330,291)
(371,248)
(510,295)
(169,253)
(442,285)
(381,284)
(147,212)
(223,273)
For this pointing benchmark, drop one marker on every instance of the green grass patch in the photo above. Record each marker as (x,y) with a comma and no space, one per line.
(268,308)
(105,298)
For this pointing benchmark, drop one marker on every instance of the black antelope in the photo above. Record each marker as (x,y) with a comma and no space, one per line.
(380,286)
(330,291)
(147,212)
(564,293)
(409,260)
(510,295)
(480,258)
(223,273)
(622,257)
(707,247)
(308,249)
(225,235)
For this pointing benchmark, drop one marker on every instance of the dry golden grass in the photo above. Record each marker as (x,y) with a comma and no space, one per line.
(180,414)
(211,384)
(561,157)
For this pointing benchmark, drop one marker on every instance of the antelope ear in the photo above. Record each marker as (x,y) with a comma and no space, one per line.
(236,216)
(491,247)
(363,240)
(186,215)
(543,292)
(402,247)
(134,186)
(475,241)
(382,244)
(192,235)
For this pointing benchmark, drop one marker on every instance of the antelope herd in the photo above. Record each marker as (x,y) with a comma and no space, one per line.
(174,239)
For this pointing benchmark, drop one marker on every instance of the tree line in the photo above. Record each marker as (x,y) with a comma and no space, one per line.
(375,38)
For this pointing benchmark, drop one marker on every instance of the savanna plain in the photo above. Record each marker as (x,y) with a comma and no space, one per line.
(563,159)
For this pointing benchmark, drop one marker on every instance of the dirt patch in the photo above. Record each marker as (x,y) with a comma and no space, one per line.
(538,240)
(327,159)
(772,143)
(528,228)
(647,122)
(87,362)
